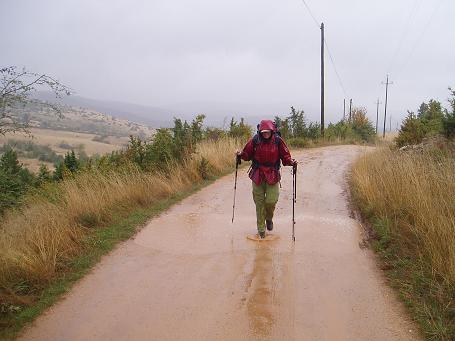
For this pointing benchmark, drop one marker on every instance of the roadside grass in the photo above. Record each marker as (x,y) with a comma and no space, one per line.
(57,237)
(408,199)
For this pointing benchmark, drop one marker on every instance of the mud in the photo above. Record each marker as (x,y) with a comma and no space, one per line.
(192,275)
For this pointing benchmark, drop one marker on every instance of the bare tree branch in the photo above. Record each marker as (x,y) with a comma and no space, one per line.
(16,89)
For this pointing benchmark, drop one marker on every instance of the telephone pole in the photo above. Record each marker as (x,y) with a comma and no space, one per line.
(344,109)
(377,114)
(350,110)
(322,79)
(385,107)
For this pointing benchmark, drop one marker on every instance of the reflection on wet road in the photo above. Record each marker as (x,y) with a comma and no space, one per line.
(192,275)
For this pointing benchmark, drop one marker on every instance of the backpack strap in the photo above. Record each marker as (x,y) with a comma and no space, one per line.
(255,164)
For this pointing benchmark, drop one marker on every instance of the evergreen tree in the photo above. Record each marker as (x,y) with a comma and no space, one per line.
(196,128)
(240,129)
(44,175)
(412,131)
(448,121)
(9,162)
(297,123)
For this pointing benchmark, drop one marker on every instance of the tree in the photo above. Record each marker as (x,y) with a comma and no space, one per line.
(71,162)
(44,175)
(240,129)
(196,128)
(431,115)
(161,150)
(412,131)
(14,180)
(15,90)
(361,125)
(297,122)
(448,121)
(9,162)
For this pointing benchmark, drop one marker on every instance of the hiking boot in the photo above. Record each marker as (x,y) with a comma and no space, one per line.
(262,234)
(269,224)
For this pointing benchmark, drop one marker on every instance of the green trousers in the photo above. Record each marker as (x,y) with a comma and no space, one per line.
(265,197)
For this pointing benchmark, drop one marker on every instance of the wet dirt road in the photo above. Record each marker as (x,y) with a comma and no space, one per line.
(192,275)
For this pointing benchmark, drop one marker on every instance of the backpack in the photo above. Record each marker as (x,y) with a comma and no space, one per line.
(277,141)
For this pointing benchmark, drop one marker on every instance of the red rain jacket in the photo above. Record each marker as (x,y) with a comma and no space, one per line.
(266,152)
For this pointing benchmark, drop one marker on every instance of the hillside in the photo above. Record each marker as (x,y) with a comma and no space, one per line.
(38,114)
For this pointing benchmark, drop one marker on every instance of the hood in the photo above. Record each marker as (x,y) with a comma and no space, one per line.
(266,125)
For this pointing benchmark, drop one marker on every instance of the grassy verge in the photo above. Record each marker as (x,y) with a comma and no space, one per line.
(408,200)
(59,234)
(95,245)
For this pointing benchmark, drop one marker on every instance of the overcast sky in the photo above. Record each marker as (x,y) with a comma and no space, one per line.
(257,56)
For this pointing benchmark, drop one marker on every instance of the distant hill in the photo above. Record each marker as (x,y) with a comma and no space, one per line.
(217,113)
(152,116)
(37,114)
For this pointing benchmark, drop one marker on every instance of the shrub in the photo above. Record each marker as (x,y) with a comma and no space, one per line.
(361,125)
(240,129)
(297,142)
(448,121)
(412,131)
(14,180)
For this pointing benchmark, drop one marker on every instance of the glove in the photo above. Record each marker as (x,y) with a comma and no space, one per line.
(294,165)
(238,160)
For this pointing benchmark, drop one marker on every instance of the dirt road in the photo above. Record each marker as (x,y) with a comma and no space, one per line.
(192,275)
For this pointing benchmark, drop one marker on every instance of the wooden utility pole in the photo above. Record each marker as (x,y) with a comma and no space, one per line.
(344,109)
(377,115)
(322,79)
(350,110)
(385,107)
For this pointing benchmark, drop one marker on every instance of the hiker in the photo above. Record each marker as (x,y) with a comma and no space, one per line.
(266,149)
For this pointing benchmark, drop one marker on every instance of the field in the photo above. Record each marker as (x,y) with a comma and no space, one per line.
(60,141)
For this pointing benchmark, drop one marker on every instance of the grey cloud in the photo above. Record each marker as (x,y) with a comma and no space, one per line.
(255,57)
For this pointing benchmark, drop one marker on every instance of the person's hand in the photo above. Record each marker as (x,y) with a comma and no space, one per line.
(238,159)
(294,164)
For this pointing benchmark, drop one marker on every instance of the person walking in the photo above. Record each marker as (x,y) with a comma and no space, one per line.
(266,150)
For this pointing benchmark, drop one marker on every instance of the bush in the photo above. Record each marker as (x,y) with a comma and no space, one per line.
(412,131)
(448,125)
(100,138)
(448,121)
(14,180)
(341,130)
(65,145)
(362,126)
(31,150)
(240,129)
(431,120)
(297,142)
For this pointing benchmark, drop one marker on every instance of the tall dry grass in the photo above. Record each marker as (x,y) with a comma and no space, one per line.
(415,191)
(36,243)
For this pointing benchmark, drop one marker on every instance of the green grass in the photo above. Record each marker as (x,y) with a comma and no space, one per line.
(97,244)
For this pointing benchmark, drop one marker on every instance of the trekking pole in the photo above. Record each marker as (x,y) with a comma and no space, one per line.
(294,198)
(237,163)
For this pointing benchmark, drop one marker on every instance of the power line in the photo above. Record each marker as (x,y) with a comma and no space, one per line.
(416,43)
(311,13)
(332,60)
(404,33)
(335,69)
